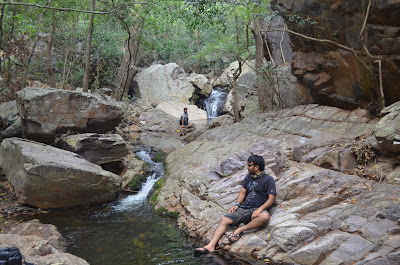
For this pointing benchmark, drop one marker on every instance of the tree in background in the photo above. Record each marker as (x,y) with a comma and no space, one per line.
(85,82)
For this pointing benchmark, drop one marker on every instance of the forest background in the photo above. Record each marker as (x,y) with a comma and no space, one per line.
(93,43)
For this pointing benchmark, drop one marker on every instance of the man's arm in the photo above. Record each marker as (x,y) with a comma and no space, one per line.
(266,205)
(239,200)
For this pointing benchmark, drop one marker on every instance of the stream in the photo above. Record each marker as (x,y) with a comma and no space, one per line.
(128,231)
(125,232)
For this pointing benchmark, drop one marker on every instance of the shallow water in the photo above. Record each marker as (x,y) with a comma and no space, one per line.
(104,235)
(128,231)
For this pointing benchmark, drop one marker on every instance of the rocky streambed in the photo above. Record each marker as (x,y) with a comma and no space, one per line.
(338,198)
(336,171)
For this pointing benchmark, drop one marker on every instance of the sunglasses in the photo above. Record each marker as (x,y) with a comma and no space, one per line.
(249,165)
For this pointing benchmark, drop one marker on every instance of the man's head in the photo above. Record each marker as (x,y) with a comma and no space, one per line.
(255,164)
(185,110)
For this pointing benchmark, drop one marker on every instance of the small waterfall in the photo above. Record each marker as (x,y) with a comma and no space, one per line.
(215,102)
(135,201)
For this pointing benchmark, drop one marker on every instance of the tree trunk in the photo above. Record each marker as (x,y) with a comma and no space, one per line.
(128,69)
(50,71)
(1,32)
(28,61)
(260,84)
(236,75)
(86,76)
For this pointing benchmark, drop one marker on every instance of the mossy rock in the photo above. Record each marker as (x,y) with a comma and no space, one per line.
(136,182)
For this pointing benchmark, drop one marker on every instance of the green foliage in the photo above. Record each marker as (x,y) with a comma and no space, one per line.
(160,156)
(197,34)
(157,188)
(165,212)
(136,182)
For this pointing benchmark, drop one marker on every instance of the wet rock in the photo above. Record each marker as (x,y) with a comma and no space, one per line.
(96,148)
(47,177)
(46,113)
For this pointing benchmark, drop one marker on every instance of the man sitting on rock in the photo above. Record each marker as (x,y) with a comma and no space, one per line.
(256,196)
(184,120)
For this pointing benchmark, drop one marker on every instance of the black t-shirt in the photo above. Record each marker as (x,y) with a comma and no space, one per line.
(257,190)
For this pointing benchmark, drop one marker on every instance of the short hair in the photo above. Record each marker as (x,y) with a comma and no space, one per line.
(257,160)
(184,108)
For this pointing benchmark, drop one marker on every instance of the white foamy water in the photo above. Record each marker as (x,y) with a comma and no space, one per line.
(135,201)
(215,102)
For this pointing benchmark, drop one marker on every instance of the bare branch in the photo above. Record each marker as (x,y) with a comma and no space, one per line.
(326,41)
(365,19)
(280,44)
(380,83)
(64,9)
(314,39)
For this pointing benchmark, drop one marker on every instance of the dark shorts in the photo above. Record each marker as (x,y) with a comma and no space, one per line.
(242,215)
(185,122)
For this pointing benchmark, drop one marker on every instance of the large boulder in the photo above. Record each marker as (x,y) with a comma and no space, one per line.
(47,112)
(202,83)
(387,130)
(9,111)
(196,115)
(341,21)
(160,83)
(10,123)
(96,148)
(335,79)
(40,244)
(48,177)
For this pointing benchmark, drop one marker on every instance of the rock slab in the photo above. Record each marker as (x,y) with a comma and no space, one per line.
(48,177)
(96,148)
(48,112)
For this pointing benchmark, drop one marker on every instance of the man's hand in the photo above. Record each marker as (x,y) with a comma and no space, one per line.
(256,213)
(233,209)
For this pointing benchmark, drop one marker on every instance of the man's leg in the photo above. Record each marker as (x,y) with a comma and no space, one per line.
(260,221)
(218,233)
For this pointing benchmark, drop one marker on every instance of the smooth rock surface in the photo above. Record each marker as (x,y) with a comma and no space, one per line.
(160,83)
(47,112)
(40,244)
(321,216)
(48,177)
(96,148)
